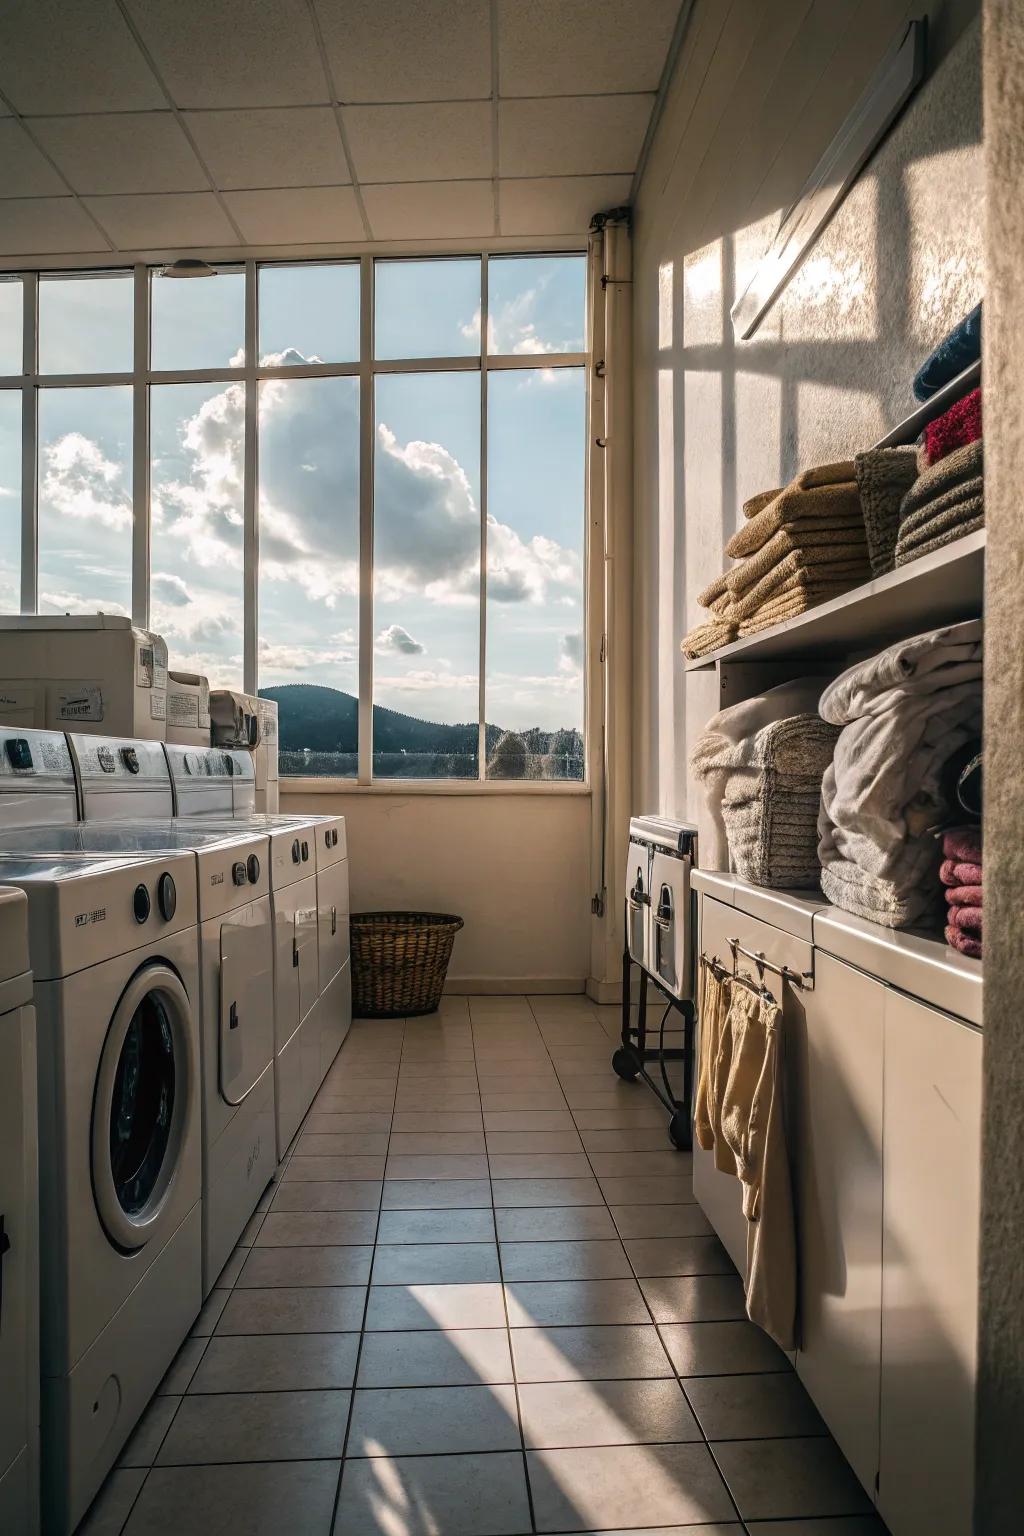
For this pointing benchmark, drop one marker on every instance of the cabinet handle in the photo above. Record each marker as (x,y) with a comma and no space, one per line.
(334,920)
(295,952)
(233,1016)
(5,1247)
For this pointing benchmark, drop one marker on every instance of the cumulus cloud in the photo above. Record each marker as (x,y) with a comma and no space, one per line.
(79,481)
(296,659)
(396,639)
(167,588)
(572,650)
(75,602)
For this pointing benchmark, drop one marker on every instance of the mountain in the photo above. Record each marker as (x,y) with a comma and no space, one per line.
(314,719)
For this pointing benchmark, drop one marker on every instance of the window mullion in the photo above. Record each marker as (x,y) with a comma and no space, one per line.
(141,523)
(250,522)
(366,444)
(29,448)
(484,311)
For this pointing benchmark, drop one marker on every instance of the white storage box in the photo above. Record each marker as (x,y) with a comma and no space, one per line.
(188,709)
(89,672)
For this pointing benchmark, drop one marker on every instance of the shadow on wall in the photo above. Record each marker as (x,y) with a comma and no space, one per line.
(828,370)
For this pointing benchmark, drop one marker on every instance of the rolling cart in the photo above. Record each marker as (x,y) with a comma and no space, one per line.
(660,932)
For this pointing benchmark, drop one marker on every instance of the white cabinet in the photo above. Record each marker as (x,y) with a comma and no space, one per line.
(929,1315)
(837,1144)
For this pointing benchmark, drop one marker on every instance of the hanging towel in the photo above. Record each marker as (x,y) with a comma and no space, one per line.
(954,353)
(884,476)
(955,428)
(753,1129)
(826,494)
(712,1007)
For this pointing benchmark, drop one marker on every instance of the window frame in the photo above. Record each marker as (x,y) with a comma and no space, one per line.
(142,376)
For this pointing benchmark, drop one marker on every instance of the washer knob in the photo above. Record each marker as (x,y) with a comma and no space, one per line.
(296,854)
(253,869)
(238,873)
(305,851)
(166,896)
(141,904)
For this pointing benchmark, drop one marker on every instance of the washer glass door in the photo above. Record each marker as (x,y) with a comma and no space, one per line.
(142,1106)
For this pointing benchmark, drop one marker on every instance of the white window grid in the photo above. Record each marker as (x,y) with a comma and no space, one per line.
(252,373)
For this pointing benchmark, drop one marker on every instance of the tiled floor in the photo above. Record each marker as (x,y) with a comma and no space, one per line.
(479,1300)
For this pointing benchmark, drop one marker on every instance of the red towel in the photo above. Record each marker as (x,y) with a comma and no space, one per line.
(964,895)
(964,943)
(964,845)
(955,428)
(952,873)
(967,919)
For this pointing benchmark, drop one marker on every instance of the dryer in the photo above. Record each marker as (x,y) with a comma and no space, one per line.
(113,946)
(19,1226)
(231,871)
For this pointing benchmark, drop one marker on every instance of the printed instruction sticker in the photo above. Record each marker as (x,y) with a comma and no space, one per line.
(85,703)
(158,705)
(183,709)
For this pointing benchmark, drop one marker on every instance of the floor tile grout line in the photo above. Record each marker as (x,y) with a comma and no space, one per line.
(366,1300)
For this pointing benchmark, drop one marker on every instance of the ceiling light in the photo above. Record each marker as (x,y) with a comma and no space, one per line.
(188,266)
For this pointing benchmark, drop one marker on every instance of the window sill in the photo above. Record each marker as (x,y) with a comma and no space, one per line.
(468,787)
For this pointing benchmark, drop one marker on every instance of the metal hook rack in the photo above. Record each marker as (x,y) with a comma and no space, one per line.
(804,980)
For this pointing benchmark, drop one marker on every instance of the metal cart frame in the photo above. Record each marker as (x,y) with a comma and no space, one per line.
(631,1058)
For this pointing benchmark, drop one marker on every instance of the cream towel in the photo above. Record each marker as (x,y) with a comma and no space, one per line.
(828,492)
(712,1007)
(753,1128)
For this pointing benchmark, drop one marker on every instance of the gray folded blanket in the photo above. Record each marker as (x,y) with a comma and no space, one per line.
(884,476)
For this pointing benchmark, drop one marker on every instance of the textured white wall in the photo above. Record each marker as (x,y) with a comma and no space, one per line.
(516,867)
(758,93)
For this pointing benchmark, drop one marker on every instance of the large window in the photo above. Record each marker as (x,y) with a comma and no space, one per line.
(357,486)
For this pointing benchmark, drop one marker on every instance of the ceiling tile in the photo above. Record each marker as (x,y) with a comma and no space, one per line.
(171,221)
(577,47)
(45,225)
(432,141)
(233,53)
(296,215)
(558,205)
(24,170)
(572,135)
(56,57)
(122,152)
(408,50)
(276,147)
(430,210)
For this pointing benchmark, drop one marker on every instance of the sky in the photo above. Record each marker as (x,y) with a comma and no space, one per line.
(427,489)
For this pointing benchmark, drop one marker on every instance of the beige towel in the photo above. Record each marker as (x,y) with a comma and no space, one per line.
(706,638)
(816,545)
(808,567)
(712,592)
(797,599)
(753,1128)
(712,1006)
(884,476)
(758,503)
(828,492)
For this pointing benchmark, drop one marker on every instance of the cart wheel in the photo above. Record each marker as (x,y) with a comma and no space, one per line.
(625,1065)
(679,1131)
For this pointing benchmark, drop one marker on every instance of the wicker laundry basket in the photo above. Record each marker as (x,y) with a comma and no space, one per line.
(399,962)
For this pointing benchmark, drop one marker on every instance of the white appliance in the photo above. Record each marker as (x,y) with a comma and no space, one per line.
(660,915)
(126,800)
(265,759)
(310,906)
(243,722)
(114,953)
(19,1226)
(188,709)
(83,672)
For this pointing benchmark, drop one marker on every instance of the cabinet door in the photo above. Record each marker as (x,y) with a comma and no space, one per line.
(837,1121)
(19,1364)
(930,1270)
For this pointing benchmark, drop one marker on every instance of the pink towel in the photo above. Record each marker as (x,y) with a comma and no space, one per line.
(964,943)
(964,895)
(953,873)
(963,844)
(967,919)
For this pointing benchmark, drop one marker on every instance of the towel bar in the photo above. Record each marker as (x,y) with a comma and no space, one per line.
(802,979)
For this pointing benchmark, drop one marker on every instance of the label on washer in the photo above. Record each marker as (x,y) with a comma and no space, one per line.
(158,705)
(182,708)
(85,703)
(144,666)
(159,663)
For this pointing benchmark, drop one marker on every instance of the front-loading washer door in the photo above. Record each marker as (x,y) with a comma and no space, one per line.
(246,1026)
(141,1106)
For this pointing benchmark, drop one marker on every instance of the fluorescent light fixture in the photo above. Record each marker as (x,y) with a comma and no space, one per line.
(188,266)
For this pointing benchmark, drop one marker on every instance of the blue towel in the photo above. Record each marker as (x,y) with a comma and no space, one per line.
(958,351)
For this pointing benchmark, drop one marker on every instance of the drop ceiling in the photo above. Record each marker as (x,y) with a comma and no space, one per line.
(159,127)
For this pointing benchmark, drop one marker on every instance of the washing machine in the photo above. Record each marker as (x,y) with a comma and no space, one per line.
(19,1226)
(310,905)
(114,952)
(232,879)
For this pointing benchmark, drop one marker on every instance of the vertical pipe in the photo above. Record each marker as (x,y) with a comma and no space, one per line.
(29,441)
(367,437)
(250,516)
(595,626)
(482,706)
(141,523)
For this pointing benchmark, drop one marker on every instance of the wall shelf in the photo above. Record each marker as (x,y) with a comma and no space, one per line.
(944,587)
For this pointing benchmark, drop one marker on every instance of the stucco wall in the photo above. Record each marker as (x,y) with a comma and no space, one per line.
(758,93)
(516,867)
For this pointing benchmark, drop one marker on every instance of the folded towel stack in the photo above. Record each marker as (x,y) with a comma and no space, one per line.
(884,476)
(901,715)
(960,874)
(955,428)
(760,764)
(797,547)
(943,504)
(955,352)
